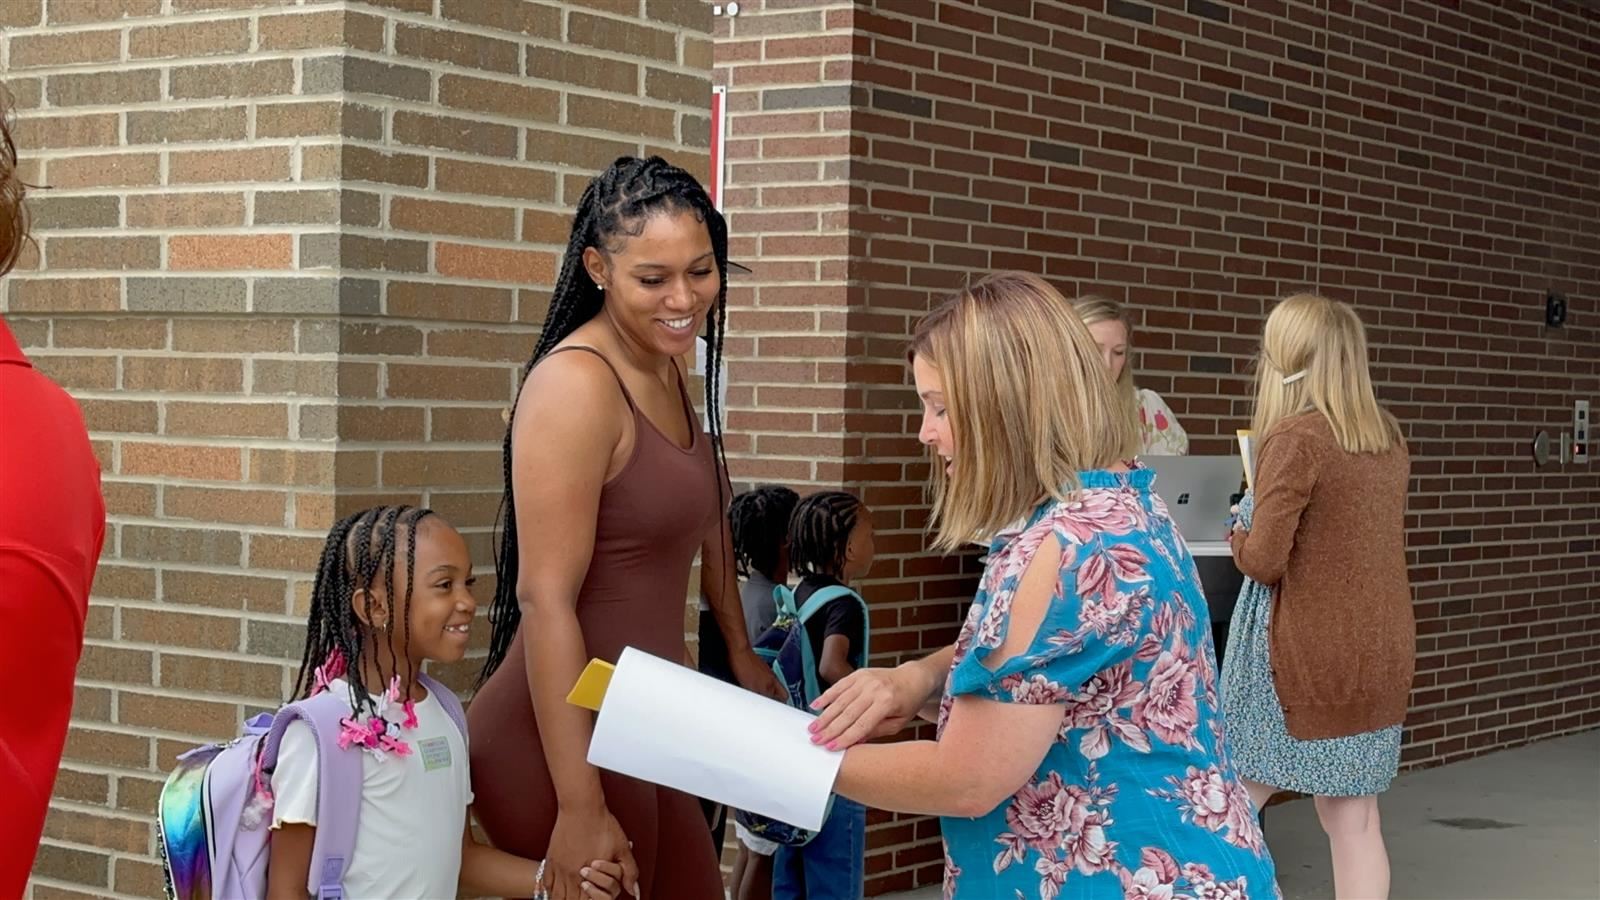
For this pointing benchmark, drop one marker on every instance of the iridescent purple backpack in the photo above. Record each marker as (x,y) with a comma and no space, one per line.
(213,829)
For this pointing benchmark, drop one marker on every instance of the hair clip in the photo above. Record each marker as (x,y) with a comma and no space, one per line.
(1291,379)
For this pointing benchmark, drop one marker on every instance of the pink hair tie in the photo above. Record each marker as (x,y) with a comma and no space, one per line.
(333,667)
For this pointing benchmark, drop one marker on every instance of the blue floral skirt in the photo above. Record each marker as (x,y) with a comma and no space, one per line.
(1263,750)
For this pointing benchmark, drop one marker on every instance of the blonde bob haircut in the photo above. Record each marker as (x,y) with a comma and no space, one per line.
(1314,357)
(1029,400)
(1094,309)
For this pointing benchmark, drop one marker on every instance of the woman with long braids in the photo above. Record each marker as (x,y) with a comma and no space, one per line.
(612,486)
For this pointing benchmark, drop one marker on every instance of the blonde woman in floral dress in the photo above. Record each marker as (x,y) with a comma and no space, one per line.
(1080,750)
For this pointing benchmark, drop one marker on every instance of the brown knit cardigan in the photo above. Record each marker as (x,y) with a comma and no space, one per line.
(1329,531)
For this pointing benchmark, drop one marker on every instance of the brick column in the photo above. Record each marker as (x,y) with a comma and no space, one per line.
(788,78)
(289,262)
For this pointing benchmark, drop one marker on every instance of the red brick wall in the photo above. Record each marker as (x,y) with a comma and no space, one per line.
(291,258)
(1434,163)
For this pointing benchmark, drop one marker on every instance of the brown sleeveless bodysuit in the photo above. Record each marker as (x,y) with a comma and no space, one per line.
(653,516)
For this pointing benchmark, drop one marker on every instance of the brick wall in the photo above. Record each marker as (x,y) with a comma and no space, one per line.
(1433,163)
(290,259)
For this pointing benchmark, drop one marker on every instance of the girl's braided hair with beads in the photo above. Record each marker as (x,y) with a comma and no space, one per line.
(819,532)
(760,524)
(614,206)
(360,555)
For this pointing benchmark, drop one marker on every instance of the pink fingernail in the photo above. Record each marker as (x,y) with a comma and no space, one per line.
(833,745)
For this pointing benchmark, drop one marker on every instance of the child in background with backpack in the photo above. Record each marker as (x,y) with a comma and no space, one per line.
(830,545)
(759,521)
(392,592)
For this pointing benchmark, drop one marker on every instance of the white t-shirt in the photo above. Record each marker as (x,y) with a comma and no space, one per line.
(413,808)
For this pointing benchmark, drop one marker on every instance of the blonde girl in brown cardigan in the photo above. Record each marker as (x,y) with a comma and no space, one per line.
(1322,645)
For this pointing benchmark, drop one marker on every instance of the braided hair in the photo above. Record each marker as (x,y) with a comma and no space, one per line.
(760,520)
(819,532)
(615,205)
(360,549)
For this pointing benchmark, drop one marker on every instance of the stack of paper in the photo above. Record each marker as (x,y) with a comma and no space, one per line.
(1247,453)
(666,724)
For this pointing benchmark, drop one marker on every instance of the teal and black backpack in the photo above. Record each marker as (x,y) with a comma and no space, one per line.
(787,645)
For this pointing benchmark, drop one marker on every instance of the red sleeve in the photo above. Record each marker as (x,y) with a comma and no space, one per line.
(39,648)
(52,528)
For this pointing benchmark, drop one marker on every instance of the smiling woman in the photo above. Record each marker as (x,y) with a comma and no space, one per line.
(614,486)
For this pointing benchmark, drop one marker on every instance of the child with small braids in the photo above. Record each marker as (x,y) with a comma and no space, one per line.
(759,519)
(368,641)
(830,545)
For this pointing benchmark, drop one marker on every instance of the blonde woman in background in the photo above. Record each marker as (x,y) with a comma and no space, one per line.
(1322,649)
(1108,322)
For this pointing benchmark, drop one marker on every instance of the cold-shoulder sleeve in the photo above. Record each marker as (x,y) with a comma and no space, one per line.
(1095,621)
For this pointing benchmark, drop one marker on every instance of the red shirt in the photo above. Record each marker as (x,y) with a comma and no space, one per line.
(52,524)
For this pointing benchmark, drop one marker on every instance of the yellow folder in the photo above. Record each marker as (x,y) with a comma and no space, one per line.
(590,691)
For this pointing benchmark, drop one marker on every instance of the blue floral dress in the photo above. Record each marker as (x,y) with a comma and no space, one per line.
(1137,797)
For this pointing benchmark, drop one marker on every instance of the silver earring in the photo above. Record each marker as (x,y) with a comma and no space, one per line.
(599,287)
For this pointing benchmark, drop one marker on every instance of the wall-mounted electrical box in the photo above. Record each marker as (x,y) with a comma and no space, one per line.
(1580,431)
(1555,309)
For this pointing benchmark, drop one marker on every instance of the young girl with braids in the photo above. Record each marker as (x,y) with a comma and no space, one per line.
(830,545)
(759,522)
(612,487)
(759,519)
(368,641)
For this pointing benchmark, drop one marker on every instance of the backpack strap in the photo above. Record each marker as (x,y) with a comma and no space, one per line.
(783,600)
(339,782)
(447,699)
(822,597)
(814,604)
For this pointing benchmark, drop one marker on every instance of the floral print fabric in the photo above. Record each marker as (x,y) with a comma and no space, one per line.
(1158,427)
(1137,797)
(1352,766)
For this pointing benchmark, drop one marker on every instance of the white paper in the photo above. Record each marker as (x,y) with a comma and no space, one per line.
(1247,454)
(669,725)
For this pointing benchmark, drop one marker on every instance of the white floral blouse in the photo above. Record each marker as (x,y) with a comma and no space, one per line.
(1162,434)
